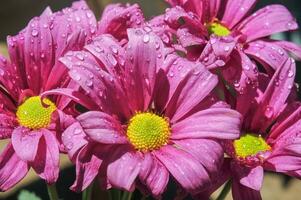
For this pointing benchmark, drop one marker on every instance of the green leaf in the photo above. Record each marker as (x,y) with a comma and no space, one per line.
(26,195)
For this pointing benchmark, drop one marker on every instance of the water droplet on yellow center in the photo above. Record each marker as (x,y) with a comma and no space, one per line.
(148,131)
(32,114)
(250,145)
(218,29)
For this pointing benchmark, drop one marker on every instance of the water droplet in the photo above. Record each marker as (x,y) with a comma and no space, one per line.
(89,83)
(269,112)
(34,33)
(77,131)
(112,59)
(114,49)
(227,48)
(290,74)
(80,57)
(146,38)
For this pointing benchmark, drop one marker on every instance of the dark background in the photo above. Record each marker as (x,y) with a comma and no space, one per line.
(15,14)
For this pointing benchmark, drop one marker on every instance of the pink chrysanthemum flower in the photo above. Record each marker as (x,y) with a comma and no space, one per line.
(153,116)
(34,129)
(270,135)
(233,35)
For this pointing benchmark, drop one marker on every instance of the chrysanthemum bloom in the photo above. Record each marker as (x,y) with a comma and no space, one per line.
(233,35)
(270,135)
(33,128)
(154,119)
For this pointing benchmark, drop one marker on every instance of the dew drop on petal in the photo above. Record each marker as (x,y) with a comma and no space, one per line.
(34,33)
(146,38)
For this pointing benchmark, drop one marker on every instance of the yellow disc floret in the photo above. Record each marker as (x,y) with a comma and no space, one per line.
(250,145)
(218,29)
(33,114)
(148,131)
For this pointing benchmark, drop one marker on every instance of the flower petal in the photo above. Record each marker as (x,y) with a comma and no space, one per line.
(273,100)
(267,21)
(176,84)
(289,46)
(208,152)
(26,142)
(74,139)
(102,128)
(87,168)
(235,11)
(116,19)
(267,53)
(190,174)
(217,51)
(219,123)
(123,169)
(85,69)
(154,175)
(7,125)
(249,177)
(12,168)
(240,192)
(46,163)
(144,55)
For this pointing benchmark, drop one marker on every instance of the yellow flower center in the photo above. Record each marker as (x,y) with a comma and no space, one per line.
(218,29)
(250,145)
(32,114)
(148,131)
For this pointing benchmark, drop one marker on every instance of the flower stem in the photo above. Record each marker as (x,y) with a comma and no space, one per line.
(127,196)
(87,193)
(52,192)
(225,191)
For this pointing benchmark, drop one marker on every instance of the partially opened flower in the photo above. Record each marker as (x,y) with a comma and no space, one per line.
(230,33)
(155,117)
(270,136)
(34,128)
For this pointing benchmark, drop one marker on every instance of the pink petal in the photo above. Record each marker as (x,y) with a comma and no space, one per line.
(144,56)
(109,54)
(290,47)
(12,168)
(9,76)
(210,9)
(176,14)
(46,163)
(154,175)
(176,85)
(287,123)
(241,72)
(220,123)
(208,152)
(190,174)
(123,169)
(267,21)
(7,125)
(98,83)
(87,168)
(249,177)
(217,51)
(240,192)
(187,39)
(267,52)
(272,102)
(235,11)
(76,96)
(26,142)
(38,55)
(116,19)
(102,128)
(74,139)
(283,163)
